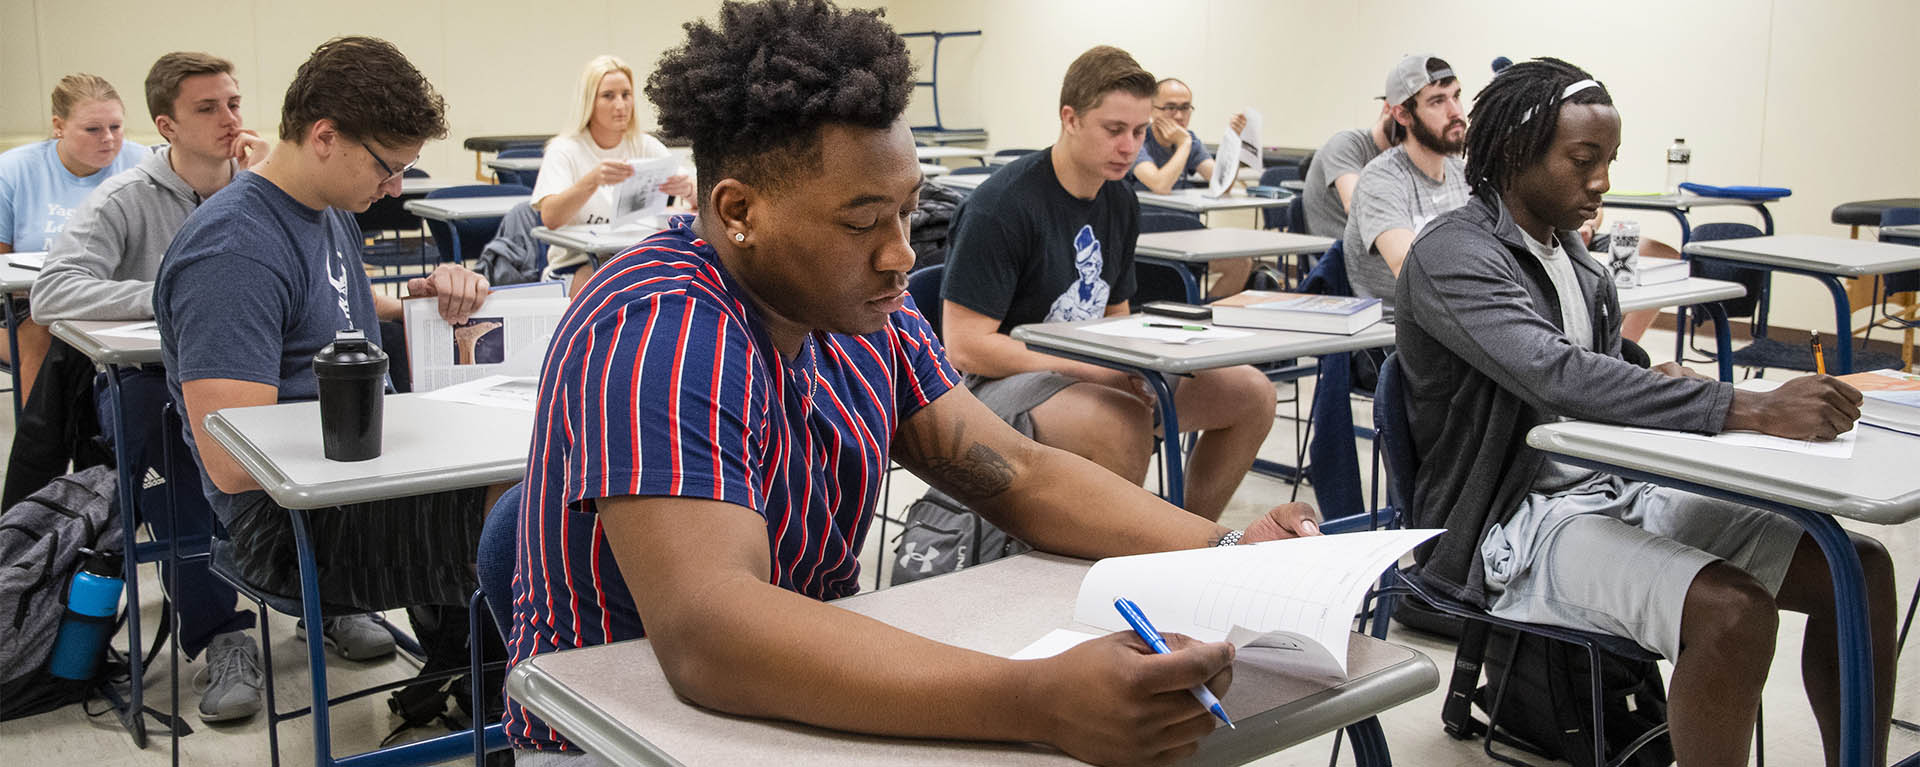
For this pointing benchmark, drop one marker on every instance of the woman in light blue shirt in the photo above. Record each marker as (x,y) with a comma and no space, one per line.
(42,183)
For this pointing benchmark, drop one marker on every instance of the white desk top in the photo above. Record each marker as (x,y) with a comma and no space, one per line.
(926,153)
(14,279)
(965,182)
(1196,201)
(934,171)
(614,700)
(1681,201)
(427,446)
(950,135)
(458,208)
(1296,186)
(1687,292)
(417,187)
(83,335)
(1876,485)
(1909,230)
(515,163)
(592,239)
(1813,253)
(1261,346)
(1227,242)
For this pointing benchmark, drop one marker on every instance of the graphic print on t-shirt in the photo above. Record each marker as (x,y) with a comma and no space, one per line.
(337,274)
(1086,298)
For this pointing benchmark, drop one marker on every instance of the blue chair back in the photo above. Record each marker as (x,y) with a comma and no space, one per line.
(924,286)
(1013,152)
(1393,433)
(1328,277)
(1279,218)
(1332,464)
(975,170)
(1163,220)
(493,564)
(1754,279)
(1900,282)
(522,177)
(475,233)
(1163,282)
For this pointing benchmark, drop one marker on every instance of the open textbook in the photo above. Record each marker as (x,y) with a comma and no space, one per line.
(1296,597)
(507,336)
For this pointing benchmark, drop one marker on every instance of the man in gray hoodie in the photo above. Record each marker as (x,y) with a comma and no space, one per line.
(1505,323)
(103,268)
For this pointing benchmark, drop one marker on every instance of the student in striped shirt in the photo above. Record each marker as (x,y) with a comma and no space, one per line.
(718,406)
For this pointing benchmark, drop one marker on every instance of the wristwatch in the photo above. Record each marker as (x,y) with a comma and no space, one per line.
(1230,539)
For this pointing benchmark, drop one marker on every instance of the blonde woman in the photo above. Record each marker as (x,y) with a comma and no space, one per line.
(584,165)
(42,183)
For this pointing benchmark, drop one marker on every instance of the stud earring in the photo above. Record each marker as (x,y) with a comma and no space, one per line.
(739,236)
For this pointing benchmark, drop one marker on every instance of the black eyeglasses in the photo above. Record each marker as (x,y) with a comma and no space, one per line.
(384,167)
(1183,108)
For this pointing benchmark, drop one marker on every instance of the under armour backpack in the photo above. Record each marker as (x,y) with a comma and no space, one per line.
(943,536)
(40,542)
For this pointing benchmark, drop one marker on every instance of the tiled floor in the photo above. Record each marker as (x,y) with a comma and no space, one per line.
(1413,730)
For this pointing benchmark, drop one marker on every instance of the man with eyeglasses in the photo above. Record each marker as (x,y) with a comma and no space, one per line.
(1173,156)
(259,279)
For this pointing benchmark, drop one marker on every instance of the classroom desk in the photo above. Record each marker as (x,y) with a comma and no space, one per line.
(1190,250)
(615,702)
(528,164)
(1197,201)
(1825,259)
(1155,360)
(14,280)
(931,170)
(428,446)
(480,145)
(592,239)
(1876,485)
(1692,291)
(950,135)
(1295,186)
(117,353)
(1678,205)
(463,208)
(1909,230)
(965,183)
(934,154)
(419,187)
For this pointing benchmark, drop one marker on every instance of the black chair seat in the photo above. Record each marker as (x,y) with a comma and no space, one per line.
(1867,212)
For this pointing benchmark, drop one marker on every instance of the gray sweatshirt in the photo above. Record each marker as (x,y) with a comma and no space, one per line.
(103,266)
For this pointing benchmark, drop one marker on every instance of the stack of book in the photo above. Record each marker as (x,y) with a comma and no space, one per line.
(1345,315)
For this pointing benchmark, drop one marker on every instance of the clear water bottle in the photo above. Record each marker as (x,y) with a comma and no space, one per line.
(1678,156)
(93,602)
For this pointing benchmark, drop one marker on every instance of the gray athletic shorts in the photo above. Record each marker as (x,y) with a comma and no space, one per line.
(1617,557)
(531,758)
(1013,398)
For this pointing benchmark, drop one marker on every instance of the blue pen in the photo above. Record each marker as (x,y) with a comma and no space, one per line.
(1150,635)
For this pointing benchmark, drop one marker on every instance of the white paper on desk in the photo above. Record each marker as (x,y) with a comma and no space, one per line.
(1134,327)
(1237,150)
(1840,447)
(145,331)
(508,335)
(1298,596)
(1055,642)
(28,259)
(639,196)
(510,392)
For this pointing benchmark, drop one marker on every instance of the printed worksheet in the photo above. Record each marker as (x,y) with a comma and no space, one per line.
(1237,150)
(639,197)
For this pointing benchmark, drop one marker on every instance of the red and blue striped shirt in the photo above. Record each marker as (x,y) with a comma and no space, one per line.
(662,381)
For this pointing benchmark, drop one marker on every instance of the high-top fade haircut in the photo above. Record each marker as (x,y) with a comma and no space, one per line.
(753,89)
(368,89)
(1515,117)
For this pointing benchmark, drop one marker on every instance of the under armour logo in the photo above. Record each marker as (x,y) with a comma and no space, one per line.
(908,556)
(152,480)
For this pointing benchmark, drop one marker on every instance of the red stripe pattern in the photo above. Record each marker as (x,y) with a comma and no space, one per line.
(661,382)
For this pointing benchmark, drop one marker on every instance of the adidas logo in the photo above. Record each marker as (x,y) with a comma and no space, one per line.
(152,480)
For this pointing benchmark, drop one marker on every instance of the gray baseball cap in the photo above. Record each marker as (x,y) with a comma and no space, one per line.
(1413,73)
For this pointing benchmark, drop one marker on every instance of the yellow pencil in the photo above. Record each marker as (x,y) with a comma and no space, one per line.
(1819,358)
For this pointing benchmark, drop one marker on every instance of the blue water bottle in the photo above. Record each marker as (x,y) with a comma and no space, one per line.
(92,604)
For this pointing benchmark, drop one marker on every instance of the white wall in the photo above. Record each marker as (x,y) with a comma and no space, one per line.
(1810,94)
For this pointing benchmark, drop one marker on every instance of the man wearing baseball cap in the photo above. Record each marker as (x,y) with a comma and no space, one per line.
(1411,183)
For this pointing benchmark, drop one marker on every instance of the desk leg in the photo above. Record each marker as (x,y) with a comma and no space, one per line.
(316,657)
(1176,489)
(133,718)
(1680,313)
(1722,339)
(1842,319)
(1856,650)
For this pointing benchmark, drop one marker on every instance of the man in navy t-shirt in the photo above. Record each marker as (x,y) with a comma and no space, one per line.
(264,274)
(719,404)
(1050,238)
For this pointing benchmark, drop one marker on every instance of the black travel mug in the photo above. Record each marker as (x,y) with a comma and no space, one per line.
(352,373)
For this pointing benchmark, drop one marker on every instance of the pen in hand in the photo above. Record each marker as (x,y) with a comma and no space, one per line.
(1819,356)
(1150,635)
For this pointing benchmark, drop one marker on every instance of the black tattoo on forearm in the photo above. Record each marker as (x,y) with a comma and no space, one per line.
(970,471)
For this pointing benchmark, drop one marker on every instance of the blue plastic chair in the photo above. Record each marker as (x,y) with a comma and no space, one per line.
(462,241)
(522,177)
(924,286)
(1161,281)
(1279,218)
(493,566)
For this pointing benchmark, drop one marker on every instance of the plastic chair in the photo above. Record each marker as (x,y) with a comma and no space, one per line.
(522,177)
(389,216)
(461,241)
(1279,218)
(1894,284)
(974,170)
(1394,443)
(924,286)
(1330,460)
(1752,305)
(1161,281)
(493,565)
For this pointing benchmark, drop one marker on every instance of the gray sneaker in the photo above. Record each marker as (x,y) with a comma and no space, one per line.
(231,678)
(354,637)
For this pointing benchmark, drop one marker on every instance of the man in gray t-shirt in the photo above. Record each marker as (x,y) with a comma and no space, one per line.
(1408,185)
(1336,169)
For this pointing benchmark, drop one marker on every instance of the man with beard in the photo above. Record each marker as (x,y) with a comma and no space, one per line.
(1412,183)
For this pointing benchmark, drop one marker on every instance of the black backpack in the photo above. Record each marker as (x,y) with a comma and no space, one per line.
(40,542)
(1547,710)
